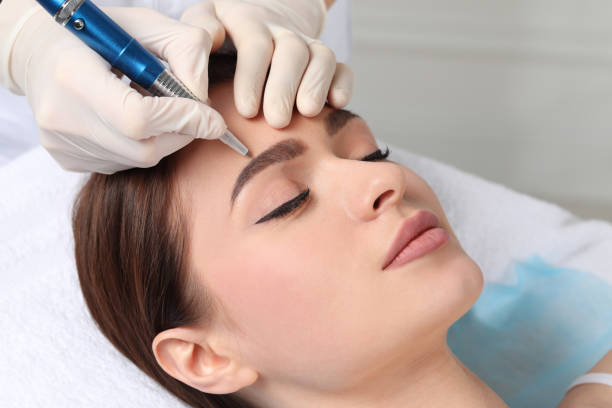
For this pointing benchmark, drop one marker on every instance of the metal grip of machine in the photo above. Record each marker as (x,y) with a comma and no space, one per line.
(97,30)
(169,85)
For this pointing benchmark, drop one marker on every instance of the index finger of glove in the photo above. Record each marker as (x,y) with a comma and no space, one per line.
(127,112)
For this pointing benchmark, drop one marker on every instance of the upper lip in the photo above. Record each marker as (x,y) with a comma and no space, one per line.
(409,230)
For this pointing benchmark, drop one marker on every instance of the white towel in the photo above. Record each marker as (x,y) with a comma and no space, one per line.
(52,353)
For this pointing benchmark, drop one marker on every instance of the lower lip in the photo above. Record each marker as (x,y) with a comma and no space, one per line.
(423,244)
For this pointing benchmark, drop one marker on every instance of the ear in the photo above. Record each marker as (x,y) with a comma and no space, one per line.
(184,353)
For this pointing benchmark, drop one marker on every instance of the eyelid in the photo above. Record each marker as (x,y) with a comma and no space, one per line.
(287,207)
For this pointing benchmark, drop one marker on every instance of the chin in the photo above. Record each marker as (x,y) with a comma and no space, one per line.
(468,283)
(454,282)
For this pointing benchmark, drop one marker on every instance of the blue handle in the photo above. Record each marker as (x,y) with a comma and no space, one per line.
(52,6)
(109,40)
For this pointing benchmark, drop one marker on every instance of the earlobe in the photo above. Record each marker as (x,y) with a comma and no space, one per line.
(183,354)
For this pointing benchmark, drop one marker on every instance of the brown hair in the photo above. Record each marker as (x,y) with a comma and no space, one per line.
(131,255)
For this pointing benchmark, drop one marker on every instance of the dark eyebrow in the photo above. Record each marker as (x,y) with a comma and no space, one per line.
(284,150)
(337,119)
(288,149)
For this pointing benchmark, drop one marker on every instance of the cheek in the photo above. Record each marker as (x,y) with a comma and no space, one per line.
(272,293)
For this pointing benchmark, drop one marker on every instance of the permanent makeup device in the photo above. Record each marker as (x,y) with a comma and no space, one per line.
(85,20)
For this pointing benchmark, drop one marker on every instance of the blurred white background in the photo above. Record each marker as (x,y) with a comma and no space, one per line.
(518,92)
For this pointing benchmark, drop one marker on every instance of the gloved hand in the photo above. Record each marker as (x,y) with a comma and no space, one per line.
(282,33)
(89,119)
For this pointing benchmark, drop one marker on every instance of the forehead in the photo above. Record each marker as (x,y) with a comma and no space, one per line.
(212,167)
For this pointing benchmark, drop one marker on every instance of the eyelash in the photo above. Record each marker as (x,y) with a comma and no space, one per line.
(294,203)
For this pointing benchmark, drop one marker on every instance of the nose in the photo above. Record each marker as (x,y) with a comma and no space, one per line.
(371,188)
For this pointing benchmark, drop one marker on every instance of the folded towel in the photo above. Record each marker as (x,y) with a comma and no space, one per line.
(54,356)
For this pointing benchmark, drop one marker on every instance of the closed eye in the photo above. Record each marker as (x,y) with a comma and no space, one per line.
(293,204)
(377,155)
(286,208)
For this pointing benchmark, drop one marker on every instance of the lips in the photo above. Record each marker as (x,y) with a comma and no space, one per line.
(411,229)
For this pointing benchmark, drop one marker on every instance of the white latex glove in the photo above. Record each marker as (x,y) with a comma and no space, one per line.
(280,34)
(89,119)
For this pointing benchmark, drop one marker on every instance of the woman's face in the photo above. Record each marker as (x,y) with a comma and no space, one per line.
(306,295)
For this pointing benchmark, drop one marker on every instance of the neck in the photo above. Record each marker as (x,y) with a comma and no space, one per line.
(437,380)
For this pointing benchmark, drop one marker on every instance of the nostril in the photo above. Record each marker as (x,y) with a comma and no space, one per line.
(382,198)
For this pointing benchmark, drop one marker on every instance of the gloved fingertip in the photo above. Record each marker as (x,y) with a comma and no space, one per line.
(214,126)
(277,120)
(339,98)
(308,107)
(247,107)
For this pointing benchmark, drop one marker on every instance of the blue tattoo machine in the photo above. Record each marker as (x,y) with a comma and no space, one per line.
(85,20)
